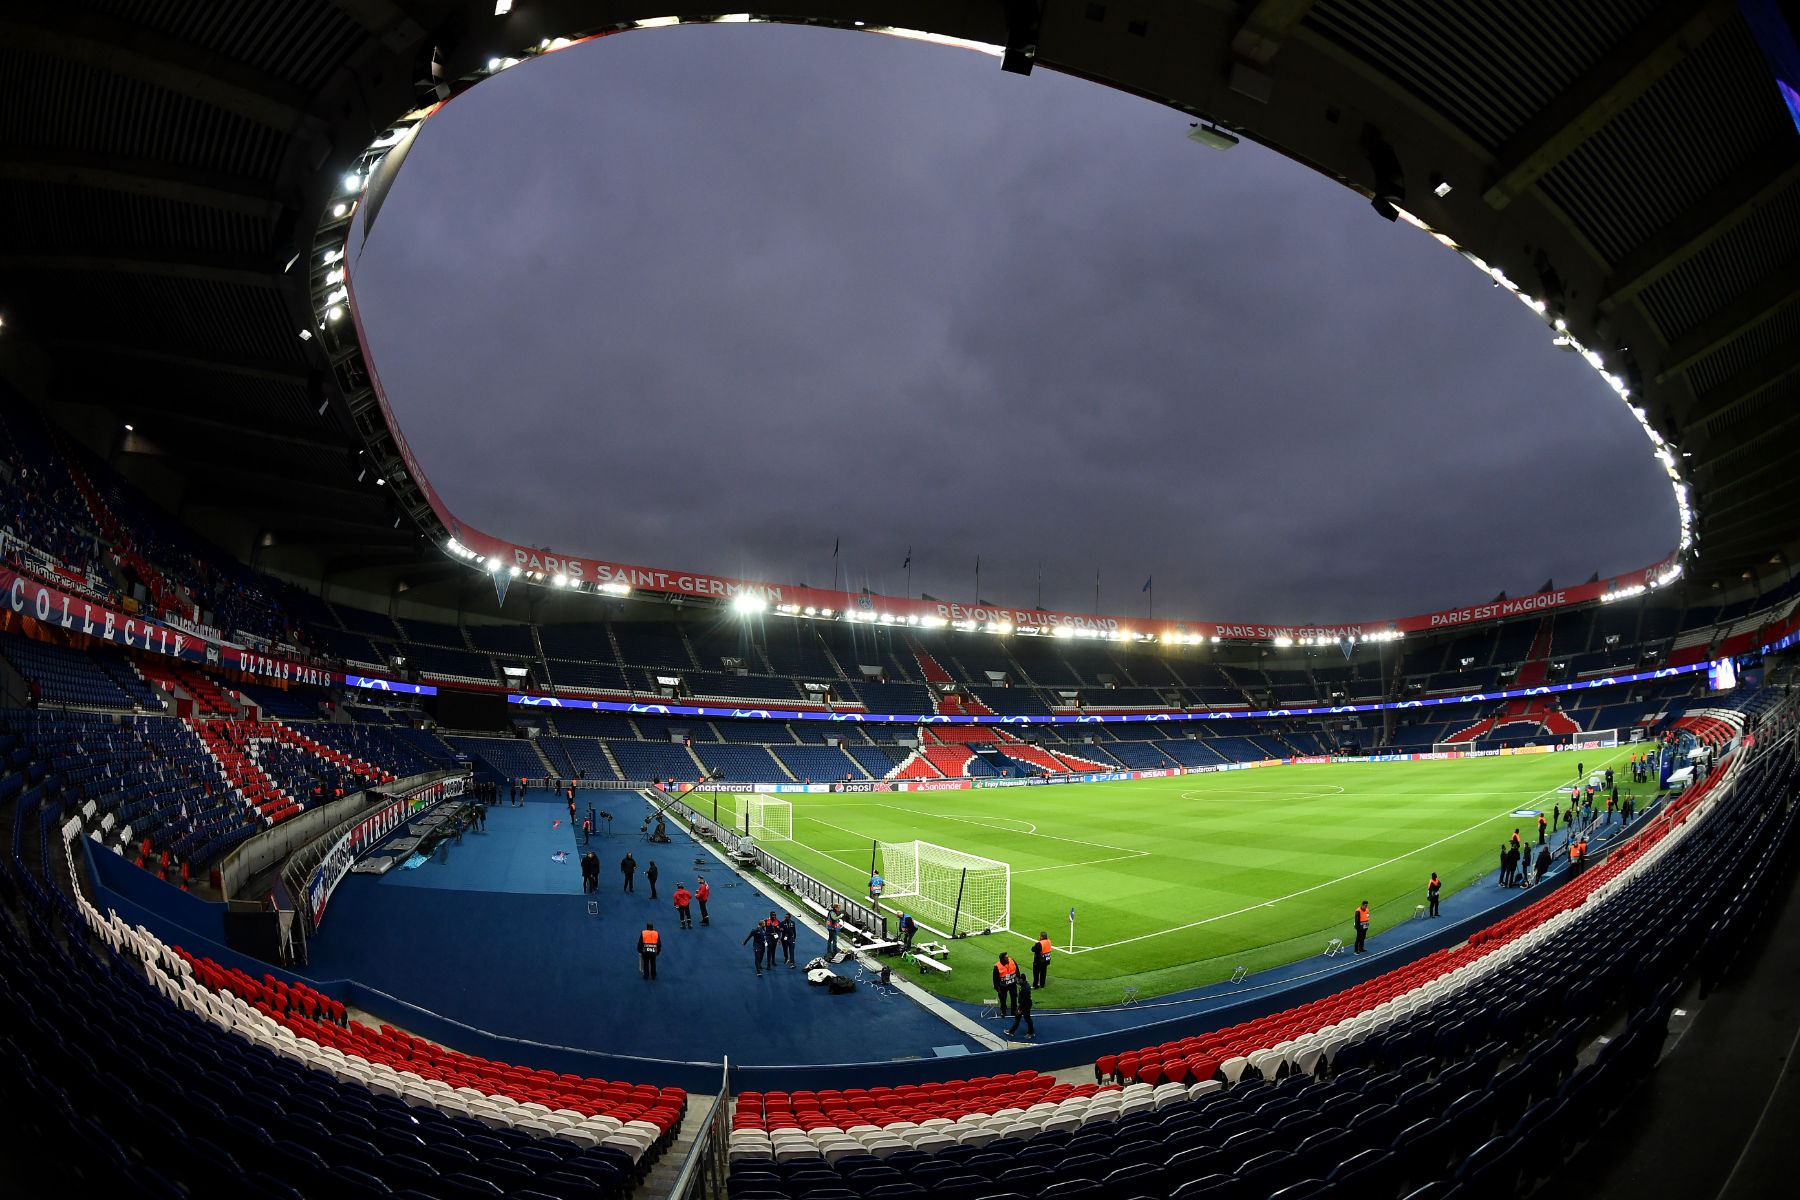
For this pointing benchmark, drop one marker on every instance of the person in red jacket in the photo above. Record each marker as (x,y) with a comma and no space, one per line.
(683,899)
(703,893)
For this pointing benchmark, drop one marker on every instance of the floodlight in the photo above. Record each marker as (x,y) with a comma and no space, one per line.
(1211,135)
(561,581)
(749,602)
(515,568)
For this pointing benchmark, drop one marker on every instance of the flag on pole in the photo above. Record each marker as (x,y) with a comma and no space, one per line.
(1147,583)
(1071,914)
(836,542)
(908,561)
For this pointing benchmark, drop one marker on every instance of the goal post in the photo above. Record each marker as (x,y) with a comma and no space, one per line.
(1594,739)
(950,892)
(1451,747)
(767,818)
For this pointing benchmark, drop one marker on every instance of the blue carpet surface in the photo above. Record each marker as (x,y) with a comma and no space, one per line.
(494,934)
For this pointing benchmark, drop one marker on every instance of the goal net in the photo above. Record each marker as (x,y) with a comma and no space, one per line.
(1451,747)
(768,819)
(947,891)
(1594,739)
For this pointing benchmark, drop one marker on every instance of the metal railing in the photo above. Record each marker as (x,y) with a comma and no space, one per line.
(708,1161)
(859,913)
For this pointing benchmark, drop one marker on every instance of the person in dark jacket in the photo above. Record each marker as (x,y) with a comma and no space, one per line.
(1022,1008)
(758,941)
(650,877)
(628,868)
(790,933)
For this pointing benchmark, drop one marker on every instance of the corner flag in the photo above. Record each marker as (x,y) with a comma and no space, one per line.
(1147,583)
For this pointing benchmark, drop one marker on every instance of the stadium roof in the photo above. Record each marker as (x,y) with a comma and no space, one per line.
(1628,164)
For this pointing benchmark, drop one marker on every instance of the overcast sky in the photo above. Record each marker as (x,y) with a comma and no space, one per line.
(710,298)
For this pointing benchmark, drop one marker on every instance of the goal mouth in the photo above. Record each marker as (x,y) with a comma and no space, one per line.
(950,892)
(766,818)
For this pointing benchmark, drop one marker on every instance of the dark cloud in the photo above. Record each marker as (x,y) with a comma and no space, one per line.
(713,297)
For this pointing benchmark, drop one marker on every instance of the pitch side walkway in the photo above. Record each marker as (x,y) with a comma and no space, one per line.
(493,933)
(1472,908)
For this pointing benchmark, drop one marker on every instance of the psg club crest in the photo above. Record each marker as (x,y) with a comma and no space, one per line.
(866,603)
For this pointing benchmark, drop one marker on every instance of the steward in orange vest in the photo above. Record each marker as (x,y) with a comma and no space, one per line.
(649,947)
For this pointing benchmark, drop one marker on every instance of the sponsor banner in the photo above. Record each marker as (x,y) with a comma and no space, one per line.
(365,833)
(1310,759)
(936,785)
(52,606)
(1481,753)
(1086,718)
(897,609)
(377,684)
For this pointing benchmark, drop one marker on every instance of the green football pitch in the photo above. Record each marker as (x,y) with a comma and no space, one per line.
(1176,882)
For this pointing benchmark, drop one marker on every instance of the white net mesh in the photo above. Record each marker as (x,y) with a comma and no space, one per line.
(768,819)
(947,891)
(1594,739)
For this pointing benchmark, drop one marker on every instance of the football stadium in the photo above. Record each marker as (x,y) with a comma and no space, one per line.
(358,851)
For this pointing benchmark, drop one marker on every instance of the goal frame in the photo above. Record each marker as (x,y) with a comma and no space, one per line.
(948,913)
(754,812)
(1595,739)
(1451,747)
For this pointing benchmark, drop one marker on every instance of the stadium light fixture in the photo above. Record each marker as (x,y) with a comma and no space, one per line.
(502,7)
(749,602)
(613,588)
(561,581)
(515,568)
(1211,135)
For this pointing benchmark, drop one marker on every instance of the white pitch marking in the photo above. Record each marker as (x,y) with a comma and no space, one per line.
(1089,863)
(1304,891)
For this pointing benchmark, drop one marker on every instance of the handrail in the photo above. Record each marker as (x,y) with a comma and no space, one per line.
(859,913)
(703,1172)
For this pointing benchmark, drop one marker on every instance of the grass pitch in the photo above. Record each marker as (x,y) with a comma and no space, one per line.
(1176,882)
